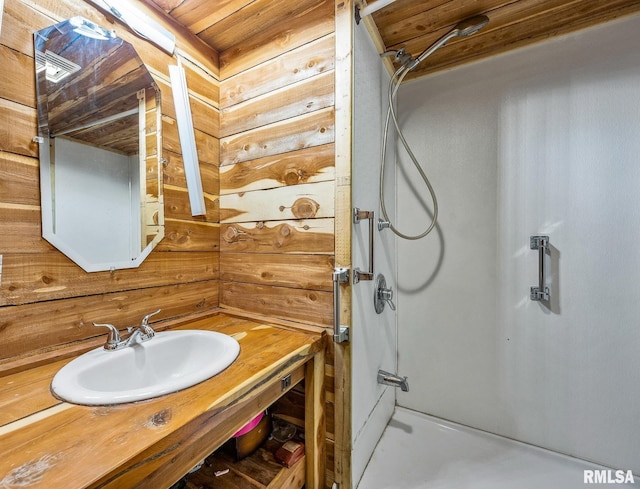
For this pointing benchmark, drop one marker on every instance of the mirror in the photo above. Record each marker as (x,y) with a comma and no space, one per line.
(100,146)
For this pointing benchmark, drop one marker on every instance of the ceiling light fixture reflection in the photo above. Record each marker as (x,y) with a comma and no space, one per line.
(89,29)
(139,22)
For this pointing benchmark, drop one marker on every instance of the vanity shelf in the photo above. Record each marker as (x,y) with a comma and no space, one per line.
(258,471)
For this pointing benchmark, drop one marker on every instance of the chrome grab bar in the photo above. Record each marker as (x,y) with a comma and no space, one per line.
(340,333)
(541,292)
(358,216)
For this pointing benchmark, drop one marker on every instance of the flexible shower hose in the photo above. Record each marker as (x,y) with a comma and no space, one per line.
(391,114)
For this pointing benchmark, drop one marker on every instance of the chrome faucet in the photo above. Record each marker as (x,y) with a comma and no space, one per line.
(142,333)
(139,334)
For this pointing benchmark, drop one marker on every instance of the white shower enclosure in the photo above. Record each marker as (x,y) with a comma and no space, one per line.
(544,140)
(541,141)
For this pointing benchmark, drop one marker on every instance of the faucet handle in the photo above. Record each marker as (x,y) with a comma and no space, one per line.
(113,339)
(145,320)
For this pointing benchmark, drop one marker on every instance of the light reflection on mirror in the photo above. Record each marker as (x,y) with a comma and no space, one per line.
(99,128)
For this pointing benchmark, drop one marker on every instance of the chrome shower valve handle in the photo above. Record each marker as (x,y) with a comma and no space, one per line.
(387,296)
(382,295)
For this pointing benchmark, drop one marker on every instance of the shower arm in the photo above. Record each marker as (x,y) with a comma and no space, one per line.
(433,48)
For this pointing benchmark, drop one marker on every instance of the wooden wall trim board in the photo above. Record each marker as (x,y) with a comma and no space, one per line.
(187,45)
(315,422)
(344,27)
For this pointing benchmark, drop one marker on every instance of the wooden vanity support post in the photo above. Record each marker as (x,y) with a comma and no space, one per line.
(315,421)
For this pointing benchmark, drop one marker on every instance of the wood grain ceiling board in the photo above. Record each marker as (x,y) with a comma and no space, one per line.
(225,23)
(198,15)
(412,24)
(415,25)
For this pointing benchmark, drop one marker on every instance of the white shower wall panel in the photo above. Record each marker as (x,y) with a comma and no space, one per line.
(541,141)
(373,336)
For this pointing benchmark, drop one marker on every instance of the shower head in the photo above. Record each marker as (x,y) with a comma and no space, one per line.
(470,26)
(464,28)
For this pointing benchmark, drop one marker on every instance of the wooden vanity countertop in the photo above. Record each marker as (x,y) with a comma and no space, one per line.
(48,443)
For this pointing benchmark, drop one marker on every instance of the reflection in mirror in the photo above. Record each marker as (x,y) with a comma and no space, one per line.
(99,127)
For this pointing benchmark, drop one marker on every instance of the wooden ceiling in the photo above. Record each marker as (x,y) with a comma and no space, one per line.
(416,24)
(224,23)
(412,24)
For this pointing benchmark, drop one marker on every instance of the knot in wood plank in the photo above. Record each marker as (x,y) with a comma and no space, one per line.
(293,176)
(305,208)
(160,418)
(230,235)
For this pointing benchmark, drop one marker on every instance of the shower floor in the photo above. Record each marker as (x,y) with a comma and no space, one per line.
(417,451)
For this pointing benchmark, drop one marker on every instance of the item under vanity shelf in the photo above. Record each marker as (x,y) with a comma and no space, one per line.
(264,468)
(257,471)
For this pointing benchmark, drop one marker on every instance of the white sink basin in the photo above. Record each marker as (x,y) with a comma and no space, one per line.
(169,362)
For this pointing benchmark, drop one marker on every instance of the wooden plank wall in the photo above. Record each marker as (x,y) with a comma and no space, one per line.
(264,117)
(47,303)
(277,175)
